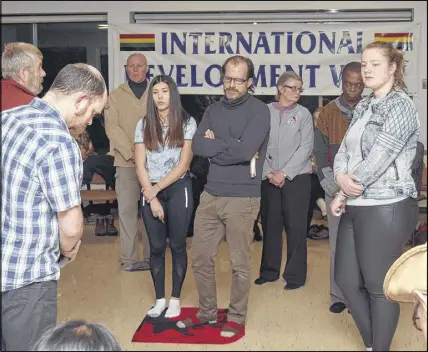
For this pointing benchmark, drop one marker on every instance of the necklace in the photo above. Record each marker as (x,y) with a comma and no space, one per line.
(164,123)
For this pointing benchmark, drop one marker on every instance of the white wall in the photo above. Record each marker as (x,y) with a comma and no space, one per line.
(119,12)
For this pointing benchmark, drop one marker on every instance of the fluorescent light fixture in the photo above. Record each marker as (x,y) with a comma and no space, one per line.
(324,16)
(102,26)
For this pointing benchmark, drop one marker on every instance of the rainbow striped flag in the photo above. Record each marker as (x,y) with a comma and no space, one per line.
(137,42)
(400,41)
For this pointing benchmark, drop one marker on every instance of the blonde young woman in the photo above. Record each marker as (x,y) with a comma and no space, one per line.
(373,170)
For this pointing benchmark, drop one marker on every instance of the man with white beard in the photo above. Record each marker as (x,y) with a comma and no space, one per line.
(22,73)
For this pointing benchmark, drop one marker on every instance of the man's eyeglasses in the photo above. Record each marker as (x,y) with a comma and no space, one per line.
(237,81)
(295,89)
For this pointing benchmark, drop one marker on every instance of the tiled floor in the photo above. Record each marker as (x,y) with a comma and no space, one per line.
(94,288)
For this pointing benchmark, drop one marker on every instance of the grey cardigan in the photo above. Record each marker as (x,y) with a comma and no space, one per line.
(388,147)
(291,141)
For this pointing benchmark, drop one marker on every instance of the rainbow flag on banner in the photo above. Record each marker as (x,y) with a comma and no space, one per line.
(137,42)
(401,41)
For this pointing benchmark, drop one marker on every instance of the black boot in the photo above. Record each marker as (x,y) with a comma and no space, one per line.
(257,234)
(110,229)
(100,226)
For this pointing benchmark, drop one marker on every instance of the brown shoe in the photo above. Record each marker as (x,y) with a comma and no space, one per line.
(110,229)
(100,227)
(193,321)
(231,329)
(137,266)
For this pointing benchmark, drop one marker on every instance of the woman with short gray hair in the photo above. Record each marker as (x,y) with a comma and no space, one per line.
(286,185)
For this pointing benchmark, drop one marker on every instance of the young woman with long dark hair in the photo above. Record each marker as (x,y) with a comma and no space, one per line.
(163,152)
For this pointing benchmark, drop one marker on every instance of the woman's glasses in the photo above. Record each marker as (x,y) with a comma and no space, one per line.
(294,89)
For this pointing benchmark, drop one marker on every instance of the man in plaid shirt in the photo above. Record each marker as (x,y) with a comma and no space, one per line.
(41,214)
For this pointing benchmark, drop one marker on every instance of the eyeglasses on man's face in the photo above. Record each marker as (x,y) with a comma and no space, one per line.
(237,80)
(294,89)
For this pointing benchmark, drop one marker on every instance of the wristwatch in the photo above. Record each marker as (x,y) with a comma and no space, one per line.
(285,175)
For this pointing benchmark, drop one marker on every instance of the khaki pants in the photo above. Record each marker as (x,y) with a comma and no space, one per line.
(333,225)
(128,191)
(216,218)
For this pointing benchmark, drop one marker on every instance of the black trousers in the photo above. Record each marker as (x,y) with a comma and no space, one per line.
(316,192)
(26,313)
(177,202)
(285,207)
(369,240)
(103,165)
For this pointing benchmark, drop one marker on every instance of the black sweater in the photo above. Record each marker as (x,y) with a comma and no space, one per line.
(241,129)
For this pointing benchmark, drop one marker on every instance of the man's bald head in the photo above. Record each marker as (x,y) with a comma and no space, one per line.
(136,67)
(79,78)
(137,56)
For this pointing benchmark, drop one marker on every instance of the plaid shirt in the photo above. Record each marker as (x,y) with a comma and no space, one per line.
(41,175)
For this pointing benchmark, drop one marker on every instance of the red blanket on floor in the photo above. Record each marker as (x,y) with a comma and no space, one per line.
(164,330)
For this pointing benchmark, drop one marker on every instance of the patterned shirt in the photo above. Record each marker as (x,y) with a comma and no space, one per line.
(41,175)
(388,147)
(160,162)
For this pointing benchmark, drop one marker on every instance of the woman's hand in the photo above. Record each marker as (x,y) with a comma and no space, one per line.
(277,178)
(157,210)
(150,192)
(349,184)
(338,204)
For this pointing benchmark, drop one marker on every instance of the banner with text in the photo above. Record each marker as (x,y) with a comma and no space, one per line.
(193,53)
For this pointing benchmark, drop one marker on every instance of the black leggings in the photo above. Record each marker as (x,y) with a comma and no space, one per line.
(369,240)
(177,202)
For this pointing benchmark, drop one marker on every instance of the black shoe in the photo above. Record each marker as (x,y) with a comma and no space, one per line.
(257,234)
(291,287)
(313,230)
(261,280)
(322,234)
(100,227)
(337,307)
